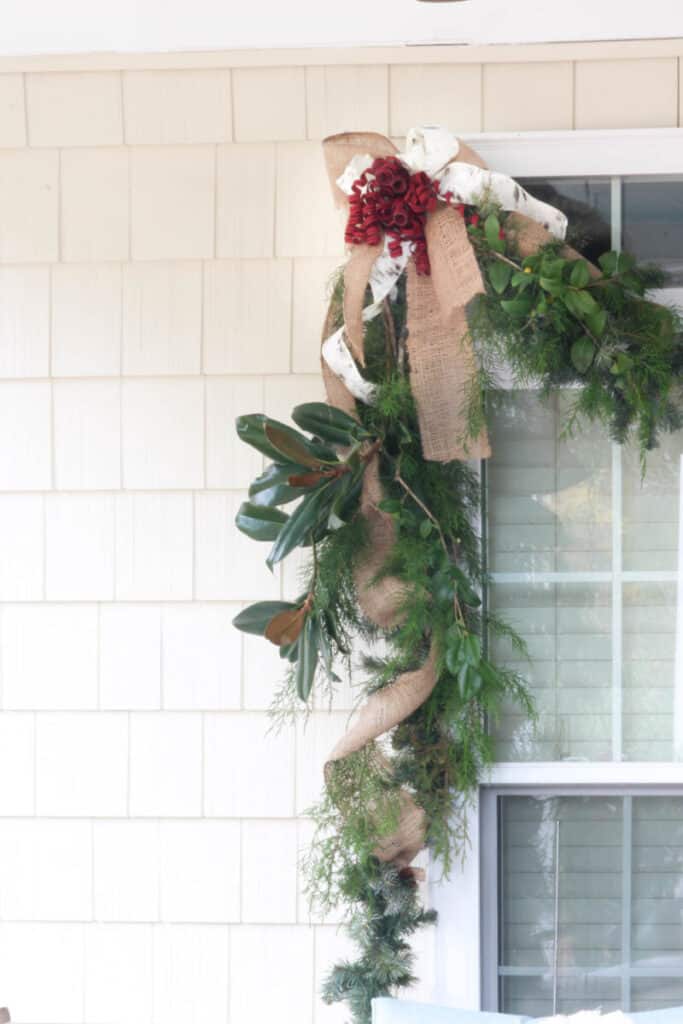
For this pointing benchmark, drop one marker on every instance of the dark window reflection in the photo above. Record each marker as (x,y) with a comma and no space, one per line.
(653,223)
(586,202)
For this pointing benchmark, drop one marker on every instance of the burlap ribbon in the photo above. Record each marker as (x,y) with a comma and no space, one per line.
(442,372)
(442,365)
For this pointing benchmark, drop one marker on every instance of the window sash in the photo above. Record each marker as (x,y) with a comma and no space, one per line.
(489,831)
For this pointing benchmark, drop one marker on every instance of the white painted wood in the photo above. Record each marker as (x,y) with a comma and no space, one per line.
(41,26)
(457,960)
(618,151)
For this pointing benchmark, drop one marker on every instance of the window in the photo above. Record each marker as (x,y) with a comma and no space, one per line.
(574,885)
(589,902)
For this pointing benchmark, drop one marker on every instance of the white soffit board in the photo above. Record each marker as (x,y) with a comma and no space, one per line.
(135,26)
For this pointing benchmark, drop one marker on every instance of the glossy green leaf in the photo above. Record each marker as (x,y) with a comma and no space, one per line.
(272,487)
(551,285)
(581,304)
(251,430)
(332,627)
(580,275)
(517,308)
(453,659)
(582,353)
(311,513)
(463,674)
(492,230)
(499,276)
(308,658)
(426,527)
(329,424)
(256,617)
(290,444)
(471,645)
(260,522)
(552,267)
(597,322)
(290,652)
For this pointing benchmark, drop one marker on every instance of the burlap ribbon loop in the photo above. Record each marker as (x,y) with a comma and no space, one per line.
(441,328)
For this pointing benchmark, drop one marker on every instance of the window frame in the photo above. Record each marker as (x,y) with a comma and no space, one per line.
(461,943)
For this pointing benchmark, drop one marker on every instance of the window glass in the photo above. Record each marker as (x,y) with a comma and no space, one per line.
(651,722)
(652,220)
(567,630)
(550,503)
(651,506)
(583,554)
(591,903)
(587,204)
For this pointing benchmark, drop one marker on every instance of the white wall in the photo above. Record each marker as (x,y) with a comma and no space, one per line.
(44,26)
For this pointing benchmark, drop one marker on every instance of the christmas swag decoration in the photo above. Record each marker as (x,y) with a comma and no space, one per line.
(453,270)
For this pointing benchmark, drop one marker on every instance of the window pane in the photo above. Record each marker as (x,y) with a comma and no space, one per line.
(651,506)
(649,627)
(579,907)
(657,884)
(586,202)
(567,631)
(591,903)
(549,497)
(653,222)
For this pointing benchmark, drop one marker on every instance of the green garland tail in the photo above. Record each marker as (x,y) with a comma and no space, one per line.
(556,321)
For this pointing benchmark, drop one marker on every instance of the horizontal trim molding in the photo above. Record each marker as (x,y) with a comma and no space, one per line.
(356,55)
(595,775)
(599,152)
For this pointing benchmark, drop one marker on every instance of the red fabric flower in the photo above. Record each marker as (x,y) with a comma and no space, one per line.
(388,199)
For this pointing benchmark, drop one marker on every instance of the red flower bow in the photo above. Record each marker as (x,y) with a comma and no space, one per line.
(388,198)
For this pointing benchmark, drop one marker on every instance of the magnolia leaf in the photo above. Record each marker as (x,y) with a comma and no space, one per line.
(328,423)
(499,275)
(332,627)
(308,658)
(291,444)
(311,513)
(580,275)
(251,430)
(260,522)
(256,617)
(582,353)
(290,652)
(304,480)
(284,628)
(273,487)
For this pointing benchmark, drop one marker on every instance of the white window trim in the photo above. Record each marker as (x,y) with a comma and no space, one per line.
(456,978)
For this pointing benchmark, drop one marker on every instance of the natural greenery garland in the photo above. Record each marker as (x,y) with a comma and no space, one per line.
(558,322)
